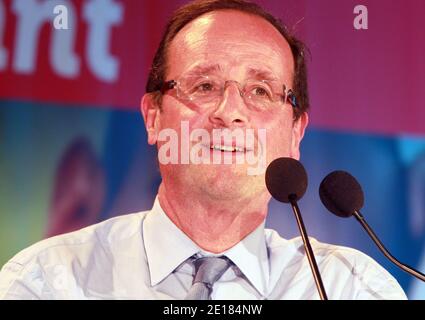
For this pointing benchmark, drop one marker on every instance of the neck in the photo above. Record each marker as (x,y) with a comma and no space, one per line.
(214,225)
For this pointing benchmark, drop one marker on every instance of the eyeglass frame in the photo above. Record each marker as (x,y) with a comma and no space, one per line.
(290,95)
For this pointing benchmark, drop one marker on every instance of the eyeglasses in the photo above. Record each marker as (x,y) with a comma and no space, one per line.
(206,89)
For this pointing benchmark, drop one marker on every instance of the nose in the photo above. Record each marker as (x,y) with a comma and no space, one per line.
(231,111)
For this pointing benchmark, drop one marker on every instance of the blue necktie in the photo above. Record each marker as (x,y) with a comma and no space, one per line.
(208,271)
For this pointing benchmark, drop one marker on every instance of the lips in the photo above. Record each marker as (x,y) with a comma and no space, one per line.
(227,148)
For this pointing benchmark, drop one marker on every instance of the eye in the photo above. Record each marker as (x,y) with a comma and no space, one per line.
(205,87)
(260,92)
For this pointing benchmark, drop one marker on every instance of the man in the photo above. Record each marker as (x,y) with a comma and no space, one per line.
(221,65)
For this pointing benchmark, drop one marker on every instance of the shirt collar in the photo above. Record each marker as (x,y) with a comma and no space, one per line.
(166,245)
(163,238)
(250,256)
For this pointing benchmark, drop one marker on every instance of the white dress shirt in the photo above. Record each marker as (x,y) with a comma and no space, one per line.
(145,256)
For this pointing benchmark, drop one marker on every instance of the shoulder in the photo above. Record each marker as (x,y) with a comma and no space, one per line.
(101,234)
(349,272)
(31,272)
(324,252)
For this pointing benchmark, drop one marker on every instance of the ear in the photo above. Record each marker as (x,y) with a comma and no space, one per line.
(298,130)
(150,113)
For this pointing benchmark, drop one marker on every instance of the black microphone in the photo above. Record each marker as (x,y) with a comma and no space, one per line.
(286,180)
(342,195)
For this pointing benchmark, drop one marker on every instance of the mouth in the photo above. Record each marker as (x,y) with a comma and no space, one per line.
(226,148)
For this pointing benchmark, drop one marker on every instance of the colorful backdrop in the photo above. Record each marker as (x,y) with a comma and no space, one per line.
(73,148)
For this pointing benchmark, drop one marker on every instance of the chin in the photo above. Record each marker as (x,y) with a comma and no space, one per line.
(230,184)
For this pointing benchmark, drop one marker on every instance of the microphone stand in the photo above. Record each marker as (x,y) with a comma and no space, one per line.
(381,247)
(308,249)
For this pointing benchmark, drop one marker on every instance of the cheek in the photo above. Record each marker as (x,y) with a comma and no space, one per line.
(172,114)
(278,143)
(279,139)
(178,117)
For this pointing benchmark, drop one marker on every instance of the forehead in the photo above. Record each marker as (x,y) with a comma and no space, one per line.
(235,41)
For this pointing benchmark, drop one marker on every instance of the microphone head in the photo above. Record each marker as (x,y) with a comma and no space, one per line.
(341,194)
(286,179)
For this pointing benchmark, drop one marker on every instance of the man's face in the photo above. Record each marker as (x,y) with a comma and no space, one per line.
(233,46)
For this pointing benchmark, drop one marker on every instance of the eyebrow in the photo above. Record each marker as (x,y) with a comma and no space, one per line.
(204,69)
(262,74)
(257,73)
